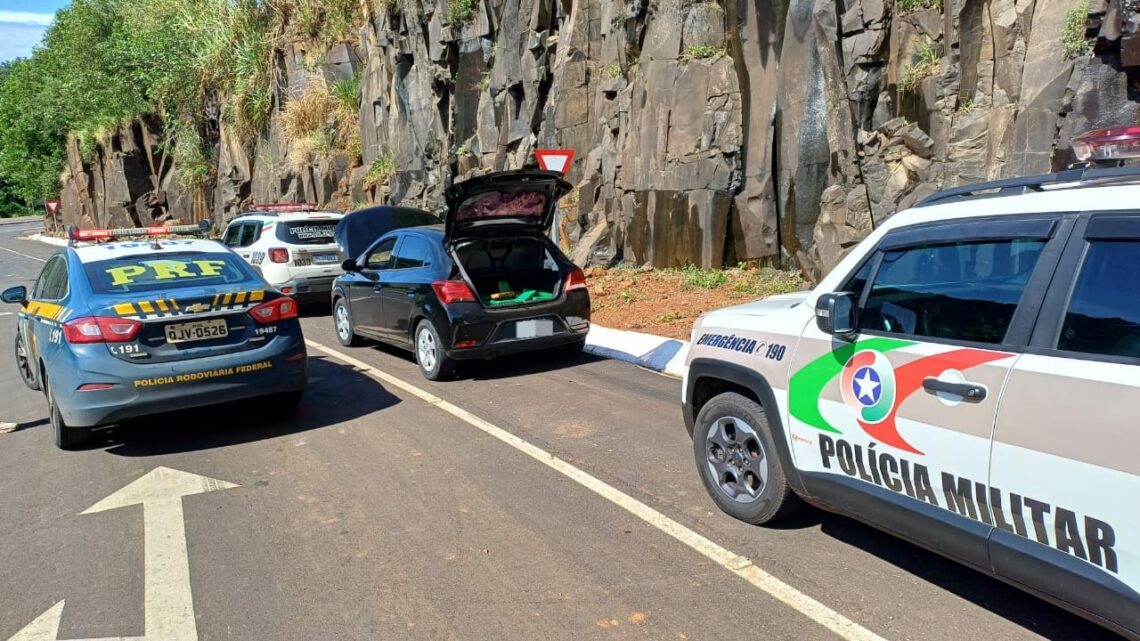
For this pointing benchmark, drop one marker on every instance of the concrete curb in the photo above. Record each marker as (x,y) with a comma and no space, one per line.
(660,354)
(657,353)
(49,240)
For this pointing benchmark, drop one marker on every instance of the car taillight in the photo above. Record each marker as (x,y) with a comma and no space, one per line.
(453,291)
(101,329)
(279,255)
(576,280)
(278,309)
(1108,144)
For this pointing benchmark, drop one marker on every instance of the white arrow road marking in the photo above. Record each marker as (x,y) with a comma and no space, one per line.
(169,605)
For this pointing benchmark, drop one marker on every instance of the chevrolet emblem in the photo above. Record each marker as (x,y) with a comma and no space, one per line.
(197,308)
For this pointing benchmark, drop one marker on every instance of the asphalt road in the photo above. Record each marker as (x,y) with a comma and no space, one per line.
(376,514)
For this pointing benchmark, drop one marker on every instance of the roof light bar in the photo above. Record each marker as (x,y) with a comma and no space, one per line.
(1108,144)
(284,207)
(74,234)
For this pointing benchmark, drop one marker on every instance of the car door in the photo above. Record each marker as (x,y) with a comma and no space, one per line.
(1066,454)
(365,289)
(895,425)
(407,281)
(42,319)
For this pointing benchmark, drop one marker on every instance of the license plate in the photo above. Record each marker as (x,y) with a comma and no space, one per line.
(325,259)
(534,328)
(196,331)
(302,262)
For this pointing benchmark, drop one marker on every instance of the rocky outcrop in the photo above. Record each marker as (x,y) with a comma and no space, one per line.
(776,131)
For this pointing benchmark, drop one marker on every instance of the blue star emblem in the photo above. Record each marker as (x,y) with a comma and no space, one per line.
(868,386)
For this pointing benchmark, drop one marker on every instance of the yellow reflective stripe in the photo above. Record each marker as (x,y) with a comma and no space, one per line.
(226,299)
(256,296)
(49,311)
(125,309)
(216,297)
(174,304)
(162,305)
(240,298)
(146,307)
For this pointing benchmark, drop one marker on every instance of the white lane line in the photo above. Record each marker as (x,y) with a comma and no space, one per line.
(735,563)
(42,260)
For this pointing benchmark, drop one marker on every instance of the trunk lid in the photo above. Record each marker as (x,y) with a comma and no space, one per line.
(195,316)
(502,203)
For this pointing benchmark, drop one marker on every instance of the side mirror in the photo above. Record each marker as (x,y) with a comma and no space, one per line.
(350,265)
(835,314)
(18,295)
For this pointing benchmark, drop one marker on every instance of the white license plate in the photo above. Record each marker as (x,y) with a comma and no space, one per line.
(197,331)
(325,259)
(534,328)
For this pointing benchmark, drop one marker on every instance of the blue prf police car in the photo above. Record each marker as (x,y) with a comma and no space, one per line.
(118,330)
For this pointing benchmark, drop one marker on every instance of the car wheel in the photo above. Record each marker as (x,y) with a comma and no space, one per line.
(434,362)
(342,321)
(737,461)
(24,364)
(66,437)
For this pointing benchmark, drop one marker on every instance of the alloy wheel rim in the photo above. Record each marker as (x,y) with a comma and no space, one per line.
(22,360)
(736,459)
(426,349)
(342,328)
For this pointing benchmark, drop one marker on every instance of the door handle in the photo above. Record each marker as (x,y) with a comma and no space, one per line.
(970,392)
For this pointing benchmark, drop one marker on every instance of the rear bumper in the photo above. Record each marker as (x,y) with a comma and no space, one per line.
(517,346)
(308,290)
(141,390)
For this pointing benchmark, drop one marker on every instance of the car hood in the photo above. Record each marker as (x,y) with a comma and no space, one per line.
(764,306)
(357,231)
(503,203)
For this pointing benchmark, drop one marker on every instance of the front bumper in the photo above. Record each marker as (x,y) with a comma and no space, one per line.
(140,389)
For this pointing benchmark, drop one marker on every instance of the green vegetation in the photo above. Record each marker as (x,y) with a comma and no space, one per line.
(460,12)
(613,70)
(966,105)
(910,5)
(1074,37)
(704,278)
(924,65)
(697,52)
(106,63)
(380,171)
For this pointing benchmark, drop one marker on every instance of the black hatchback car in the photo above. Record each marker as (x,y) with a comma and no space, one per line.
(486,282)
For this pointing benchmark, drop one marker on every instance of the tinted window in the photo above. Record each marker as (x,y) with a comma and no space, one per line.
(249,234)
(414,252)
(1104,314)
(381,257)
(232,234)
(961,291)
(307,232)
(52,284)
(858,282)
(166,271)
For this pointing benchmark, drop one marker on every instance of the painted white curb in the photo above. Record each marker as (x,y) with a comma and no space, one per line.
(657,353)
(50,240)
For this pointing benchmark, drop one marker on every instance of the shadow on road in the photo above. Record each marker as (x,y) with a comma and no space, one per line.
(508,366)
(336,393)
(984,591)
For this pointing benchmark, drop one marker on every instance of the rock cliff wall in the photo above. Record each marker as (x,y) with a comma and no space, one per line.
(779,131)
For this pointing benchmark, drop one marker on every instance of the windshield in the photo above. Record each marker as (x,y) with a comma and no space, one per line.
(307,232)
(149,272)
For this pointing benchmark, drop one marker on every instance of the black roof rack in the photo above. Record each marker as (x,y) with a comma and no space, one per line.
(1026,184)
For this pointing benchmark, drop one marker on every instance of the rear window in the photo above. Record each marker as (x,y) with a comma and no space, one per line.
(149,272)
(307,232)
(503,204)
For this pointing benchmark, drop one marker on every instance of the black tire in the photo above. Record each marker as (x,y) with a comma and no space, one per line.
(66,437)
(751,484)
(25,365)
(433,360)
(346,333)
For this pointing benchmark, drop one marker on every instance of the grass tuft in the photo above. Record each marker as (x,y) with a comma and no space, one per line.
(1074,36)
(383,168)
(925,64)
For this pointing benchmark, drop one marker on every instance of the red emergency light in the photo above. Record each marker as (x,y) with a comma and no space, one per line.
(284,207)
(74,234)
(1108,144)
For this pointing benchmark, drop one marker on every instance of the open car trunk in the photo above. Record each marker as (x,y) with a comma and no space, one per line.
(506,273)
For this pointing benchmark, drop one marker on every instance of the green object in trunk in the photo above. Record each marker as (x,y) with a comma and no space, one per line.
(527,296)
